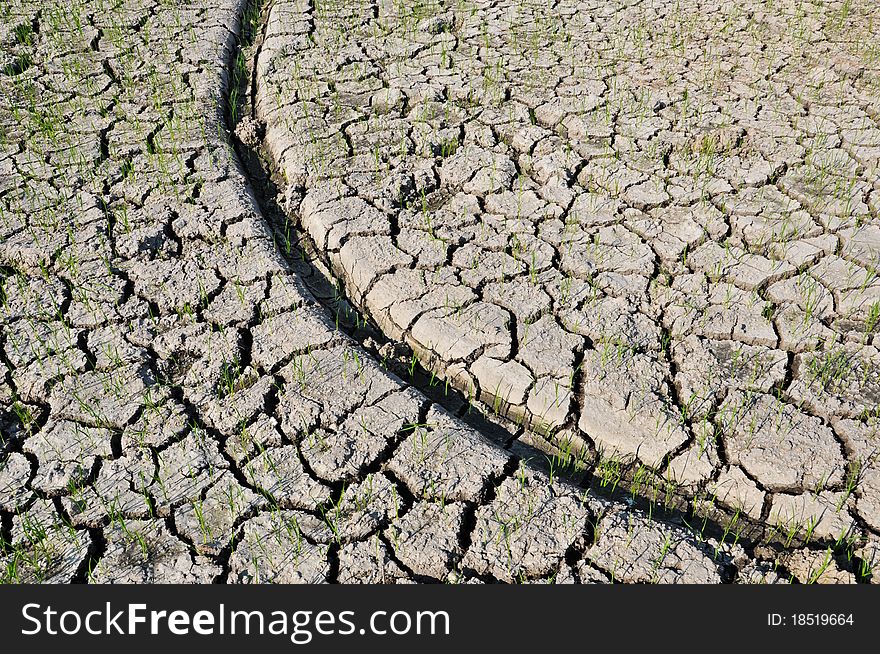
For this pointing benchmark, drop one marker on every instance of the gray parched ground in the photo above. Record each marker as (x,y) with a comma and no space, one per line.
(458,291)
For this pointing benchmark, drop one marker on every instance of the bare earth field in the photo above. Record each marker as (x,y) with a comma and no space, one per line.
(439,291)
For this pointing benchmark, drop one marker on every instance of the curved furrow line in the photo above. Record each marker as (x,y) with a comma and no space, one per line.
(641,263)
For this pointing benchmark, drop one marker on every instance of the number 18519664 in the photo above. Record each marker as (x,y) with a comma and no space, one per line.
(810,620)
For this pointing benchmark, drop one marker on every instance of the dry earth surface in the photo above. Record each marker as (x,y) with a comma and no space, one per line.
(611,266)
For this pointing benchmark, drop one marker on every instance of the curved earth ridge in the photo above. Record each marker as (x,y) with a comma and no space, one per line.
(650,228)
(174,404)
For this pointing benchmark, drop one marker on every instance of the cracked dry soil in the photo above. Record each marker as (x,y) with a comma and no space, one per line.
(502,291)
